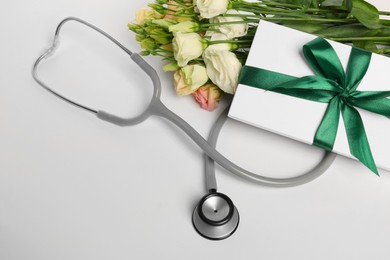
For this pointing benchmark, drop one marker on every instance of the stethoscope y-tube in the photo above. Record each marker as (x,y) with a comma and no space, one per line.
(213,204)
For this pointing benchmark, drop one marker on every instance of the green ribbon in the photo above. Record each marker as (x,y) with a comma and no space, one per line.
(330,85)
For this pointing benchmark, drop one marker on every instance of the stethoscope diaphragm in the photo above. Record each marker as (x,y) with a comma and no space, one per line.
(215,217)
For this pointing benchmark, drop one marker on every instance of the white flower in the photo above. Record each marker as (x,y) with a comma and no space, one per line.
(186,47)
(223,68)
(231,30)
(189,78)
(217,36)
(195,75)
(211,8)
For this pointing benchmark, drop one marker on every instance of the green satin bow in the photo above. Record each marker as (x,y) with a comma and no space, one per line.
(330,85)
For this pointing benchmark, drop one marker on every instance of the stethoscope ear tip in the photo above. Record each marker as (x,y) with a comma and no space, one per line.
(215,217)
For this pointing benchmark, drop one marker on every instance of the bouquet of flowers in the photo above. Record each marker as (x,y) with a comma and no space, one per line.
(205,42)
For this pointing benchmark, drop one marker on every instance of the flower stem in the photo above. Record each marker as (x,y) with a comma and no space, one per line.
(310,19)
(368,38)
(229,41)
(178,14)
(238,4)
(223,23)
(382,51)
(164,50)
(243,15)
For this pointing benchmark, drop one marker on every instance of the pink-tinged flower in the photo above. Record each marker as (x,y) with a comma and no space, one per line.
(173,7)
(189,78)
(146,13)
(208,96)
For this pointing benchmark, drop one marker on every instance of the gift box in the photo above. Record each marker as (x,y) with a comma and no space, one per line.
(291,85)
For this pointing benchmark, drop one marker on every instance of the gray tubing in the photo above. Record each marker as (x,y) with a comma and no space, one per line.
(155,98)
(52,49)
(211,183)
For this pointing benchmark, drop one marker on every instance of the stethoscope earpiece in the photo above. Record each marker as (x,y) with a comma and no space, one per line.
(215,217)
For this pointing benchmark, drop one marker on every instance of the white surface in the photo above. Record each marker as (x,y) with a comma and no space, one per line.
(283,111)
(75,187)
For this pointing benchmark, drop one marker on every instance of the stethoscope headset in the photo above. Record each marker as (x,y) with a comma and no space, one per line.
(215,217)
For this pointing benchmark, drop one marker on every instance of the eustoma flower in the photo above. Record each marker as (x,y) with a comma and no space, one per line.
(189,78)
(208,96)
(146,13)
(223,68)
(220,37)
(231,26)
(186,47)
(211,8)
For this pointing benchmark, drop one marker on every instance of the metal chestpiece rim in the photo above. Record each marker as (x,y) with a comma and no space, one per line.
(215,217)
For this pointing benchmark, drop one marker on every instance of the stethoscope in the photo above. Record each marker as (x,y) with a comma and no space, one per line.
(215,217)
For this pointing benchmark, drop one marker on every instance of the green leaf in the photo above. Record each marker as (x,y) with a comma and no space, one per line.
(366,13)
(367,45)
(306,27)
(332,3)
(348,5)
(350,30)
(303,3)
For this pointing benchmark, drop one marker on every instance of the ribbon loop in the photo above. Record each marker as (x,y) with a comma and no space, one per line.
(323,60)
(358,63)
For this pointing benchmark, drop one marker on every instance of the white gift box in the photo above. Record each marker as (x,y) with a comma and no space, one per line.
(278,48)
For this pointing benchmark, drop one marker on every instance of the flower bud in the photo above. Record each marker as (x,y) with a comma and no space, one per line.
(149,44)
(144,53)
(164,23)
(171,67)
(133,27)
(140,37)
(158,8)
(186,26)
(208,96)
(158,34)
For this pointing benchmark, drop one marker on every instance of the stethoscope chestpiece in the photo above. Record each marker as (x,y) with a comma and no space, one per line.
(215,217)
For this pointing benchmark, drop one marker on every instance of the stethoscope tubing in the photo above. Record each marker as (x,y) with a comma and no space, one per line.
(211,184)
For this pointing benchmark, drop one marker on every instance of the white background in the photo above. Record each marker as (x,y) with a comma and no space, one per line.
(75,187)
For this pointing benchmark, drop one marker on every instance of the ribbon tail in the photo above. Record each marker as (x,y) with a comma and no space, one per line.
(370,95)
(378,106)
(327,130)
(357,138)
